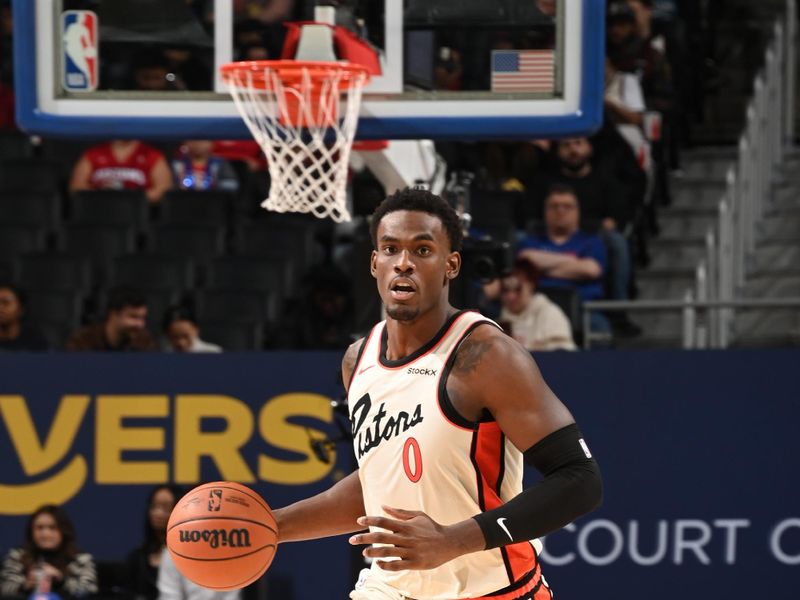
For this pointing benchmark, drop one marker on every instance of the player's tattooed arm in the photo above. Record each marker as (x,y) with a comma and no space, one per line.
(349,362)
(470,354)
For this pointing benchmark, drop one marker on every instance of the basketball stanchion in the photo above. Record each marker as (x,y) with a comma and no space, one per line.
(222,536)
(304,116)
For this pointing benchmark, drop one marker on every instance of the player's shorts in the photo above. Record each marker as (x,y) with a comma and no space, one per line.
(530,587)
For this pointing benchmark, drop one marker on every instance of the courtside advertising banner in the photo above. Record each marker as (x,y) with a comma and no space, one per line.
(696,449)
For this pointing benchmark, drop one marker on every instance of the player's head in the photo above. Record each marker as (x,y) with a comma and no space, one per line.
(416,236)
(421,200)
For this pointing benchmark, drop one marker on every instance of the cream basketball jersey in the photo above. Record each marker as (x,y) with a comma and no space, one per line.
(416,452)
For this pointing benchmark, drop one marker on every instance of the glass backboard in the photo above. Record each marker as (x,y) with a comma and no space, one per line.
(451,69)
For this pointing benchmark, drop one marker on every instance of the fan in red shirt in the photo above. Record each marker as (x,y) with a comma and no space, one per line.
(122,165)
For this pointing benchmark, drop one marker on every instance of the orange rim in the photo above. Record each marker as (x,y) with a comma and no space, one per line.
(290,72)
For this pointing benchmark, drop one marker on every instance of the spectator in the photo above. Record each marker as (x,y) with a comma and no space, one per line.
(16,334)
(529,316)
(625,108)
(605,203)
(143,562)
(174,586)
(566,256)
(197,168)
(182,332)
(122,164)
(602,201)
(122,330)
(49,561)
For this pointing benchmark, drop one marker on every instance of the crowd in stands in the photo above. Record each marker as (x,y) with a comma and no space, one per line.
(134,245)
(49,562)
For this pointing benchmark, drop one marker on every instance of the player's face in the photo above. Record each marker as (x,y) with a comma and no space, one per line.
(46,535)
(413,264)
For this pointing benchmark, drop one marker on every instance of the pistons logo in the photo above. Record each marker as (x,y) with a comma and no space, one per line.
(214,500)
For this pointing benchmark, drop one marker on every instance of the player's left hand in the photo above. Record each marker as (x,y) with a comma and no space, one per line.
(416,540)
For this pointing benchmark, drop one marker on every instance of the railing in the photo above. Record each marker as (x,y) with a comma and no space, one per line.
(730,244)
(694,334)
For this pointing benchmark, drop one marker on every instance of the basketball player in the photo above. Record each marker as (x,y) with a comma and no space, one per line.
(444,409)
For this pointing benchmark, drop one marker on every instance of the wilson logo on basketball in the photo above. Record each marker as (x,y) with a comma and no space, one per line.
(232,538)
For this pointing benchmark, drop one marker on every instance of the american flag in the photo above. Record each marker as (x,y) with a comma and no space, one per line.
(523,71)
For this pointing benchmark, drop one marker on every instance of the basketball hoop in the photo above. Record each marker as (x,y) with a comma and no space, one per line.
(304,115)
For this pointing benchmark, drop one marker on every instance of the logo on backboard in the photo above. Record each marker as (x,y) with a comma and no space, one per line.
(79,42)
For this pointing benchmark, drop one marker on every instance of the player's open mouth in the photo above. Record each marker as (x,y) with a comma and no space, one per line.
(402,289)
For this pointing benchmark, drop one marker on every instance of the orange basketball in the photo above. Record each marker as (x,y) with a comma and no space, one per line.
(222,535)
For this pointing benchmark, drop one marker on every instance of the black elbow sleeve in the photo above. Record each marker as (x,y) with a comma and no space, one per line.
(571,487)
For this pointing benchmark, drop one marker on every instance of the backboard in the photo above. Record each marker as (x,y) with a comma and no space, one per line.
(451,69)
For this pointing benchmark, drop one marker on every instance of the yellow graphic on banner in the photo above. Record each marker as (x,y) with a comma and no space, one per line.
(36,457)
(119,441)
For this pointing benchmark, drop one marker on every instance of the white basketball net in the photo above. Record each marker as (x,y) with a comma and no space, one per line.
(307,152)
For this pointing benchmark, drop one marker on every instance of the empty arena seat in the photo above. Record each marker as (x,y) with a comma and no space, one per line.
(290,236)
(232,335)
(236,305)
(184,207)
(247,273)
(199,242)
(109,207)
(16,240)
(30,175)
(54,272)
(98,243)
(153,271)
(63,307)
(35,209)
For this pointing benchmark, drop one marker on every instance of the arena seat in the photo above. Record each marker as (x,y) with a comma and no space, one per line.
(109,207)
(153,271)
(232,335)
(29,175)
(54,272)
(16,240)
(36,209)
(236,305)
(184,207)
(199,242)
